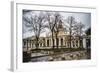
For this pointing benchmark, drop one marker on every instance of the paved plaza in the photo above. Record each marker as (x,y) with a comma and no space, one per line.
(61,56)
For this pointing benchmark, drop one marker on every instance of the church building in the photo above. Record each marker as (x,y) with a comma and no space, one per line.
(63,41)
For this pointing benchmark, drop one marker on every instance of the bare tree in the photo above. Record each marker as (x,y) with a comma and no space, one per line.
(70,21)
(35,23)
(54,20)
(58,24)
(51,25)
(78,31)
(80,27)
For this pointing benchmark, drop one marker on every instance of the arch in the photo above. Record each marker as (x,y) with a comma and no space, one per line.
(43,42)
(57,41)
(48,42)
(61,41)
(73,44)
(76,43)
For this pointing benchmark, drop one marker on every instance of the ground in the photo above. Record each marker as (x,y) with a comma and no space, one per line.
(57,55)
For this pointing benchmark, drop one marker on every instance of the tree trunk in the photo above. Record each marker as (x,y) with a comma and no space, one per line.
(52,41)
(57,41)
(81,43)
(37,44)
(27,44)
(70,37)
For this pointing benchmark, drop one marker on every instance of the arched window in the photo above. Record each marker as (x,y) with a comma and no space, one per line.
(48,42)
(43,42)
(40,44)
(53,42)
(73,44)
(57,41)
(61,42)
(32,44)
(76,43)
(24,43)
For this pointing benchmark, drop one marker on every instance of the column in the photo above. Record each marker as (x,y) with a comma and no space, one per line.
(78,43)
(63,41)
(71,44)
(75,43)
(84,43)
(42,44)
(66,44)
(27,44)
(49,42)
(59,42)
(46,42)
(31,44)
(55,41)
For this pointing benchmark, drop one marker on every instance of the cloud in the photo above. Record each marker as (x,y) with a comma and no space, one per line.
(85,18)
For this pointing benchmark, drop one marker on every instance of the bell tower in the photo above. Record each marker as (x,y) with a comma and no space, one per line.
(60,27)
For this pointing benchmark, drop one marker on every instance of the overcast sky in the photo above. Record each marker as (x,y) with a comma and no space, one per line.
(84,18)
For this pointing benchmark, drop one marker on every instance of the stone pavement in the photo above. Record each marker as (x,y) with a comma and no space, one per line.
(77,55)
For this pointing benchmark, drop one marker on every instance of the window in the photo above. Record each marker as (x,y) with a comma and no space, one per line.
(53,42)
(57,41)
(76,43)
(24,43)
(47,42)
(44,42)
(73,43)
(61,42)
(30,43)
(40,44)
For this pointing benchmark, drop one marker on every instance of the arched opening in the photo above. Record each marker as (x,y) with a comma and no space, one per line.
(47,42)
(43,42)
(40,44)
(61,42)
(53,42)
(57,42)
(76,43)
(73,44)
(24,44)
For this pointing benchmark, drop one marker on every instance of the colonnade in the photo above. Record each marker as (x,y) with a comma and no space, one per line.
(47,43)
